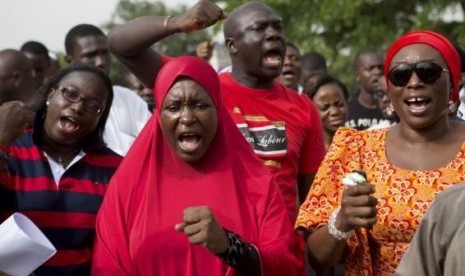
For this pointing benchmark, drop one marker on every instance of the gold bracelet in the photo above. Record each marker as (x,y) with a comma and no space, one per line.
(167,19)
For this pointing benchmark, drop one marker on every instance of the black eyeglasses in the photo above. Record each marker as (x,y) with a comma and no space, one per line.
(427,72)
(72,96)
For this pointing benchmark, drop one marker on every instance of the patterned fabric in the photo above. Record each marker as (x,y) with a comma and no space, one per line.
(403,198)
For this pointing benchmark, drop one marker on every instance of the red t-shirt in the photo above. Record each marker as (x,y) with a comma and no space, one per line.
(283,128)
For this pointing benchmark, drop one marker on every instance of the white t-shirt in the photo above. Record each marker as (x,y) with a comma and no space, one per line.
(128,115)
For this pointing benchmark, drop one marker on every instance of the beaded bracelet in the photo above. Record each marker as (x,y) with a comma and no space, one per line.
(332,229)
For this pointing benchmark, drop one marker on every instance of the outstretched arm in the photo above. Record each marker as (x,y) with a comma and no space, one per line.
(131,42)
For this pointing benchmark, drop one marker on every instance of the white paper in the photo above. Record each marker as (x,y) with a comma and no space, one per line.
(353,179)
(23,247)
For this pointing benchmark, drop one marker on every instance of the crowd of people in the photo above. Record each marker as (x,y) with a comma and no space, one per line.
(188,171)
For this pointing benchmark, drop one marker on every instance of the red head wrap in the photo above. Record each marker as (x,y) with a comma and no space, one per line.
(438,42)
(190,67)
(153,186)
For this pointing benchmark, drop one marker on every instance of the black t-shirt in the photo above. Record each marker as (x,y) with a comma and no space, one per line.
(360,117)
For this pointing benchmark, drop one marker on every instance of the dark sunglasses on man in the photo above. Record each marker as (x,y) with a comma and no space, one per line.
(428,72)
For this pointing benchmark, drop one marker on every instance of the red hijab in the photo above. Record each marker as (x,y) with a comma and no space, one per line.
(438,42)
(152,187)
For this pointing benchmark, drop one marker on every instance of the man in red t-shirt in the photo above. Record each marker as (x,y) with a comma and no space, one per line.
(282,127)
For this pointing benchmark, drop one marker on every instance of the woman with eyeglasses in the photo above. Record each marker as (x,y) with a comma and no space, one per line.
(57,172)
(369,226)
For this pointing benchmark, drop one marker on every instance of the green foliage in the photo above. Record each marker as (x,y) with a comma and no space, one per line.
(340,28)
(179,44)
(336,28)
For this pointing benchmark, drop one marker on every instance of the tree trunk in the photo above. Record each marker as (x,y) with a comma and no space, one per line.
(462,4)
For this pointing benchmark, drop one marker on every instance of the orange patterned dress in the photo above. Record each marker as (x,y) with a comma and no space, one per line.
(403,198)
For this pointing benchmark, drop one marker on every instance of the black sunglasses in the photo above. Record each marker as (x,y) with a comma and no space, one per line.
(427,72)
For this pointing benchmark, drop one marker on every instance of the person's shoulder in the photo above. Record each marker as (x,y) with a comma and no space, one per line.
(373,138)
(106,150)
(352,137)
(346,131)
(345,135)
(124,92)
(375,130)
(226,80)
(452,196)
(448,207)
(353,101)
(292,95)
(106,155)
(25,139)
(126,97)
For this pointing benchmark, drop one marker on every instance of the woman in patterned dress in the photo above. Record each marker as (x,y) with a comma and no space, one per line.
(370,226)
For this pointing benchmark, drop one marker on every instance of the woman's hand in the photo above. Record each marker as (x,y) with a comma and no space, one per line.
(358,208)
(15,117)
(200,16)
(201,227)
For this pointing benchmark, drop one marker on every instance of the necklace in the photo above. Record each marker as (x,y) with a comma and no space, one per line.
(65,163)
(60,162)
(62,158)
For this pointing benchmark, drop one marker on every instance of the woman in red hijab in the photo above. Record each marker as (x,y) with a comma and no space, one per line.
(190,198)
(370,226)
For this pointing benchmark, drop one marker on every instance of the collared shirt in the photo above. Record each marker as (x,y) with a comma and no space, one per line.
(57,169)
(64,208)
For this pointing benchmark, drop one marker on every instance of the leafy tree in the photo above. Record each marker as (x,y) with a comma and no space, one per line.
(336,28)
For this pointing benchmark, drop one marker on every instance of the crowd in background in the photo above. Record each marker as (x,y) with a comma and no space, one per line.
(182,170)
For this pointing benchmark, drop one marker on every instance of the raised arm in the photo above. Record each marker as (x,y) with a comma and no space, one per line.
(15,117)
(131,42)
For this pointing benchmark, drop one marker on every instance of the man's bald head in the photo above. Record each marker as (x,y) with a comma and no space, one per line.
(254,38)
(230,24)
(11,60)
(16,82)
